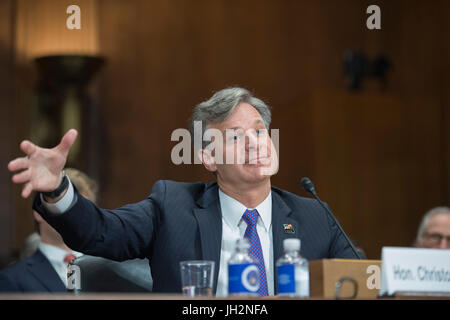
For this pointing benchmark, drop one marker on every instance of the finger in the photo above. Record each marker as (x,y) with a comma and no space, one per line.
(18,164)
(27,147)
(27,189)
(67,141)
(22,177)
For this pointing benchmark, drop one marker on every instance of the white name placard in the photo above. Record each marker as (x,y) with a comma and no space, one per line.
(414,269)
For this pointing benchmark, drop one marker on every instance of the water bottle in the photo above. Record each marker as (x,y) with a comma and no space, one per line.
(243,273)
(292,271)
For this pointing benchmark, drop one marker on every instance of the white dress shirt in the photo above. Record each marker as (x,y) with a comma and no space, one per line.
(233,228)
(63,204)
(56,257)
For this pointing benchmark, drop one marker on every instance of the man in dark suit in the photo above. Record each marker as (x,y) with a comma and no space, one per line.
(34,274)
(192,221)
(45,270)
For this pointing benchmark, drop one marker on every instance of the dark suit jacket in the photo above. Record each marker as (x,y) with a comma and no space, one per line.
(34,274)
(183,221)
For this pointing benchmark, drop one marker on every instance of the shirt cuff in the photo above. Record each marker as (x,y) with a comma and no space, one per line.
(63,204)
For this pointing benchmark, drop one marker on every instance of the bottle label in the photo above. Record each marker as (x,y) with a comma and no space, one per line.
(243,278)
(286,278)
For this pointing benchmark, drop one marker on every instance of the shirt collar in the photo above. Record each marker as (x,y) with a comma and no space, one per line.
(55,254)
(232,210)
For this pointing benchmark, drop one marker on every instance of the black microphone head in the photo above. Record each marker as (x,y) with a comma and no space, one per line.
(308,185)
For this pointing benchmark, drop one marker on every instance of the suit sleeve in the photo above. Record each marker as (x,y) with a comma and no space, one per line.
(119,234)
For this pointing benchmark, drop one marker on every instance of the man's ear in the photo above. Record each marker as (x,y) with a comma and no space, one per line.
(207,159)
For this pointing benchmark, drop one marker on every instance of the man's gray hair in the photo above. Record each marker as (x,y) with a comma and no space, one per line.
(426,219)
(222,104)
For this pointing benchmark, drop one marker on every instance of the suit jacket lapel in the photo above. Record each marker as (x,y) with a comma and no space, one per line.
(209,219)
(280,228)
(43,271)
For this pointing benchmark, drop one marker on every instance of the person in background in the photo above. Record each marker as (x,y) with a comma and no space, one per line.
(87,188)
(181,221)
(31,243)
(434,230)
(45,255)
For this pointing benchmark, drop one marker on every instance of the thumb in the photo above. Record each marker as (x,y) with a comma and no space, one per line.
(27,147)
(67,141)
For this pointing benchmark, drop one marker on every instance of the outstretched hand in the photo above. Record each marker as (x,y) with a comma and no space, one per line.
(41,167)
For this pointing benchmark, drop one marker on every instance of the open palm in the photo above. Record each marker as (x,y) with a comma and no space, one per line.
(41,168)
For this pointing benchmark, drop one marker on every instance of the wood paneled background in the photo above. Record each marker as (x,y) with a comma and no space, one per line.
(380,158)
(7,128)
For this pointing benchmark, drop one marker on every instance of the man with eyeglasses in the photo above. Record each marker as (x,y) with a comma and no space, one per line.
(434,230)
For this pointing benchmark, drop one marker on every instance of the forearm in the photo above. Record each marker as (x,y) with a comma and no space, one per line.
(120,234)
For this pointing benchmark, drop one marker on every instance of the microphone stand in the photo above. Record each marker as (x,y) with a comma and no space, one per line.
(309,187)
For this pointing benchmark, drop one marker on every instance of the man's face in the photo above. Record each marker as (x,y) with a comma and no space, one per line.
(248,154)
(437,234)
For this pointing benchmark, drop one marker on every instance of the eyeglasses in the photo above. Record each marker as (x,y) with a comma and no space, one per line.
(436,238)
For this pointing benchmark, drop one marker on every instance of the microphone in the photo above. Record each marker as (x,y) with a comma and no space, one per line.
(309,187)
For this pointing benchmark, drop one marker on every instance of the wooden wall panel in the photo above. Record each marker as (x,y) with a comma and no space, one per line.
(445,100)
(375,170)
(42,29)
(172,55)
(6,127)
(163,57)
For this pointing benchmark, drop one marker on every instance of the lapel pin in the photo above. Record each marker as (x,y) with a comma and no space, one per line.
(288,228)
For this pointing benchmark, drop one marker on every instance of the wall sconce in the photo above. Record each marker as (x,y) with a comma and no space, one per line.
(66,60)
(63,102)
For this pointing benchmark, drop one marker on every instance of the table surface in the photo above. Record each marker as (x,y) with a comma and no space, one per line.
(158,296)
